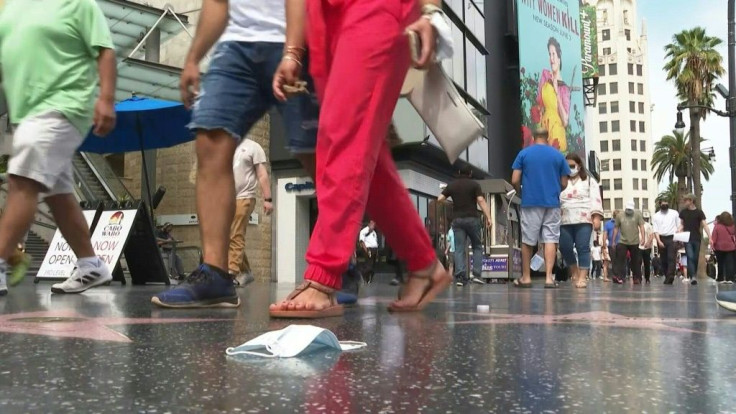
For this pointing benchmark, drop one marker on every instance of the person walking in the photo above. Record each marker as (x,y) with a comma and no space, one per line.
(368,241)
(629,231)
(250,37)
(582,212)
(610,242)
(605,255)
(724,247)
(249,171)
(467,196)
(645,248)
(665,224)
(595,253)
(359,56)
(52,54)
(540,173)
(692,219)
(450,251)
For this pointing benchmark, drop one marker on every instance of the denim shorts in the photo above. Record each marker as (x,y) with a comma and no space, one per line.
(236,92)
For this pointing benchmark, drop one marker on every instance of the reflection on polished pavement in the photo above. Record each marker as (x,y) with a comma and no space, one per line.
(602,349)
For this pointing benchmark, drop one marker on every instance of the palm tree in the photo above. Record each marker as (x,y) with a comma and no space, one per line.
(671,159)
(694,65)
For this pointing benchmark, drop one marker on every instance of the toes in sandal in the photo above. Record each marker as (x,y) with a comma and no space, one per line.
(519,284)
(333,310)
(439,280)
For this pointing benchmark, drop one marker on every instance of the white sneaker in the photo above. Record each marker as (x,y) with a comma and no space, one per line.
(83,279)
(685,280)
(3,283)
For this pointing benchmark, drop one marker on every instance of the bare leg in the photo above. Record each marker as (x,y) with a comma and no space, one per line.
(215,193)
(573,269)
(526,263)
(605,271)
(72,224)
(20,209)
(550,256)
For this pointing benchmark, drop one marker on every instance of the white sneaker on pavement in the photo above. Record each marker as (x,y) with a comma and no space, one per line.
(84,278)
(243,279)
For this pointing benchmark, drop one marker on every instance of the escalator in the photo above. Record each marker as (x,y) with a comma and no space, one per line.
(96,181)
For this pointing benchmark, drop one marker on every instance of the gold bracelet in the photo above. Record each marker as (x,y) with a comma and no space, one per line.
(295,50)
(292,58)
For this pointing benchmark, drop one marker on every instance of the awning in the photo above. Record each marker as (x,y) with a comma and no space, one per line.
(148,79)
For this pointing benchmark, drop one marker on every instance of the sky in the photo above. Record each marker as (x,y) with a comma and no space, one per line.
(663,19)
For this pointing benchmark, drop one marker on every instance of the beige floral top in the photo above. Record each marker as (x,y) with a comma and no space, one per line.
(580,201)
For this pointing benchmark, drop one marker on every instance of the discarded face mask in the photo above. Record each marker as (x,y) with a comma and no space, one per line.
(292,341)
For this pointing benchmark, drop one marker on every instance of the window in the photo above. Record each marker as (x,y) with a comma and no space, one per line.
(617,184)
(636,203)
(614,107)
(615,126)
(602,88)
(644,184)
(602,108)
(616,165)
(635,165)
(641,107)
(632,126)
(642,145)
(640,88)
(628,49)
(627,33)
(603,126)
(636,183)
(632,107)
(618,203)
(613,69)
(631,68)
(631,87)
(633,145)
(641,126)
(606,185)
(645,203)
(606,51)
(602,70)
(604,146)
(616,144)
(638,72)
(605,165)
(607,204)
(606,34)
(643,165)
(613,88)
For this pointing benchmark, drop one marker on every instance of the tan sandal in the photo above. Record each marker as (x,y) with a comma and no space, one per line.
(333,310)
(438,281)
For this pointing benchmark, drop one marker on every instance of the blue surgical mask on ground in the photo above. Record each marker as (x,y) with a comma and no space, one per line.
(292,341)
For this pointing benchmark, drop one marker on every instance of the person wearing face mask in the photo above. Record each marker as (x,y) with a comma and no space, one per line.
(630,226)
(665,223)
(582,211)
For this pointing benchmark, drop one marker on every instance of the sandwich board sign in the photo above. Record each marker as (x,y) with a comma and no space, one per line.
(116,232)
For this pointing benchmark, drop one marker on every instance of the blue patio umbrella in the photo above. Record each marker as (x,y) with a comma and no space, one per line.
(143,124)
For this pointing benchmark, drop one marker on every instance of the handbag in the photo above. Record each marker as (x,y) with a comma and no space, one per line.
(435,97)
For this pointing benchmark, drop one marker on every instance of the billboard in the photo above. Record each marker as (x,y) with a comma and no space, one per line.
(588,39)
(550,72)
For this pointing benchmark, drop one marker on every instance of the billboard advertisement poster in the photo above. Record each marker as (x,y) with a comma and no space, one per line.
(588,39)
(550,72)
(60,259)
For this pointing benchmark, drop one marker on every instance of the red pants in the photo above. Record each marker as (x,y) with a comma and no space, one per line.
(360,57)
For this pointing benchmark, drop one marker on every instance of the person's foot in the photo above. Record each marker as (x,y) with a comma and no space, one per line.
(394,282)
(618,280)
(459,283)
(693,282)
(206,287)
(648,281)
(637,281)
(477,280)
(83,278)
(3,284)
(685,280)
(727,300)
(309,299)
(244,279)
(422,287)
(345,298)
(20,269)
(669,281)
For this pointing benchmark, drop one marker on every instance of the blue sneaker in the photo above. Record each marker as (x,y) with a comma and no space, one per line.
(206,287)
(727,300)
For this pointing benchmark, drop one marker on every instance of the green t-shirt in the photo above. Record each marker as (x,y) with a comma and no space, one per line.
(628,226)
(48,57)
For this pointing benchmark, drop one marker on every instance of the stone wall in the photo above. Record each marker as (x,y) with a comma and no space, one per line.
(176,167)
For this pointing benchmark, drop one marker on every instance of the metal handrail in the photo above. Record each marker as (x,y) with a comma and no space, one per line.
(106,176)
(87,192)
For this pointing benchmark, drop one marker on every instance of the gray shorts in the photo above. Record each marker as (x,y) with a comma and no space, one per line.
(540,225)
(43,149)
